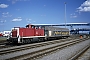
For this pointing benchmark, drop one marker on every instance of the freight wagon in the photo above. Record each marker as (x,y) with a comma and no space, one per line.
(33,33)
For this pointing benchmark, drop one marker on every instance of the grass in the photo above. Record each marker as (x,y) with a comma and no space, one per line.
(3,38)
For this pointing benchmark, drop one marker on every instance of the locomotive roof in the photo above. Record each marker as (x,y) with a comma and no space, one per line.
(29,25)
(55,28)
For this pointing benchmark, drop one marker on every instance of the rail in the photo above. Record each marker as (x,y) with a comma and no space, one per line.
(78,54)
(44,51)
(6,51)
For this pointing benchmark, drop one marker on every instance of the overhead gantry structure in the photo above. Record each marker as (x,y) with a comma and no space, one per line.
(68,24)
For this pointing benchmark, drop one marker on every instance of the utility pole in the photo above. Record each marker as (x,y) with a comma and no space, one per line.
(65,14)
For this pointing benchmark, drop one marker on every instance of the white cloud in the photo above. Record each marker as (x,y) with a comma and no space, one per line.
(2,20)
(86,3)
(6,14)
(73,15)
(3,6)
(44,5)
(14,1)
(17,19)
(43,15)
(18,9)
(28,20)
(34,21)
(85,7)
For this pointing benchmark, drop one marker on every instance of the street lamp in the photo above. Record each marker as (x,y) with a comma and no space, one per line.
(65,14)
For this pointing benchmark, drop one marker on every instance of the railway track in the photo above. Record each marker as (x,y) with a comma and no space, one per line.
(75,57)
(25,47)
(44,51)
(85,55)
(80,54)
(3,45)
(6,45)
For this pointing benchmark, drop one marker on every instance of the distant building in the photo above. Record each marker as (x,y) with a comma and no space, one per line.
(1,34)
(6,33)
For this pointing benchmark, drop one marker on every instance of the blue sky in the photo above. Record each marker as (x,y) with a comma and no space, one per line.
(21,12)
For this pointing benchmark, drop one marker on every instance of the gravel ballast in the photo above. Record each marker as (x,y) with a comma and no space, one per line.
(61,55)
(67,53)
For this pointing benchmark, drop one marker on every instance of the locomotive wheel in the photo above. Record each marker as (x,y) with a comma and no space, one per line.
(29,41)
(24,41)
(41,39)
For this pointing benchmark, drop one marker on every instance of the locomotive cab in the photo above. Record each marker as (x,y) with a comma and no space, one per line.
(14,35)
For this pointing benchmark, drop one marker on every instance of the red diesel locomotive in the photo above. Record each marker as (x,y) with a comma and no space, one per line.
(34,34)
